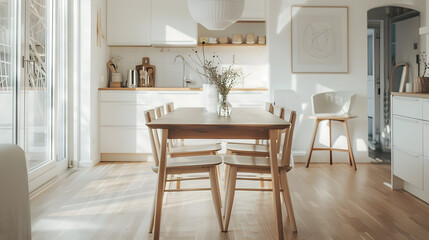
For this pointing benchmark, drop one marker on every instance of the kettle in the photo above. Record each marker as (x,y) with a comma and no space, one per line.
(132,79)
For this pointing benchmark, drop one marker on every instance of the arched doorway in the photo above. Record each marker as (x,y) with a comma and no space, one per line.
(393,38)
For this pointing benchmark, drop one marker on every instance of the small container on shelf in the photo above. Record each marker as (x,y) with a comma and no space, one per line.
(250,38)
(115,84)
(223,40)
(261,40)
(212,40)
(237,39)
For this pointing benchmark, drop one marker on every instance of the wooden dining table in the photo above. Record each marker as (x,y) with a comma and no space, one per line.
(196,123)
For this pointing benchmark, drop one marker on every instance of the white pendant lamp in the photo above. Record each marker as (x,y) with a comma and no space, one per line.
(216,14)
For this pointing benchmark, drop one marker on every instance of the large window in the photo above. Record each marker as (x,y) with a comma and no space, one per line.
(33,79)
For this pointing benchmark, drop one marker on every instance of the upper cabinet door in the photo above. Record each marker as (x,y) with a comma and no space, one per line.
(172,24)
(128,22)
(254,10)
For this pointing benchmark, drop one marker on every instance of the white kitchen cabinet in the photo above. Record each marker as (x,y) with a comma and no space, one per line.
(123,114)
(426,174)
(247,99)
(410,154)
(407,107)
(426,109)
(179,98)
(408,134)
(172,24)
(426,139)
(254,10)
(408,166)
(128,22)
(124,140)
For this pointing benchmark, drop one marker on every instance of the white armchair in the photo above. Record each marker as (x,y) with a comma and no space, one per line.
(15,221)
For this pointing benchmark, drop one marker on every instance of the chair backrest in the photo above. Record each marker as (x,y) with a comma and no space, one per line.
(286,149)
(333,102)
(170,107)
(153,136)
(269,107)
(160,111)
(15,220)
(279,111)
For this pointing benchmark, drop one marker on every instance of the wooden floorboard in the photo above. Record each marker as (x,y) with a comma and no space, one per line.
(113,201)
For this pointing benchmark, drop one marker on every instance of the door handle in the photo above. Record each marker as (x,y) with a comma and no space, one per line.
(25,63)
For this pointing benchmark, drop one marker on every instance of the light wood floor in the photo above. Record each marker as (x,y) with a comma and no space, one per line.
(113,201)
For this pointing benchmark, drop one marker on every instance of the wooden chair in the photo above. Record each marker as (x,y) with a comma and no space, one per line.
(256,150)
(261,165)
(269,107)
(170,107)
(250,149)
(188,150)
(333,106)
(186,165)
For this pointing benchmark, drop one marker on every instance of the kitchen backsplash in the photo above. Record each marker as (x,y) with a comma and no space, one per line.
(253,61)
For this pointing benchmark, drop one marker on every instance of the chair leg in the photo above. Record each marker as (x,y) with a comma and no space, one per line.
(330,141)
(262,182)
(312,144)
(178,183)
(287,199)
(153,214)
(350,147)
(227,167)
(216,195)
(230,195)
(152,221)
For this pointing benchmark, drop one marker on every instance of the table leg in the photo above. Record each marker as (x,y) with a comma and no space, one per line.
(275,182)
(162,171)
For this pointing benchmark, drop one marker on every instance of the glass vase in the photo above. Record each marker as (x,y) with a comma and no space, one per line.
(224,108)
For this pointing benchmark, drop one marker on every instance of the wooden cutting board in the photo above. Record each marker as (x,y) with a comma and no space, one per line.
(151,69)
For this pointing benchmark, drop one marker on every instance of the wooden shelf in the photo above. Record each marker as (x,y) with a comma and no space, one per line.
(231,45)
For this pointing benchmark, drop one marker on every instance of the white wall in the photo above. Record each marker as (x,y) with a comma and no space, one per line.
(253,60)
(407,33)
(278,33)
(92,76)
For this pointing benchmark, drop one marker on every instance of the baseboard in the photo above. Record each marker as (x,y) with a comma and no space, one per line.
(88,164)
(126,157)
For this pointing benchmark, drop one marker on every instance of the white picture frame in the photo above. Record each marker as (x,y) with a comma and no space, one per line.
(320,39)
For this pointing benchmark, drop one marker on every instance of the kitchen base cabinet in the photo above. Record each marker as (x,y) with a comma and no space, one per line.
(410,140)
(426,174)
(123,135)
(408,166)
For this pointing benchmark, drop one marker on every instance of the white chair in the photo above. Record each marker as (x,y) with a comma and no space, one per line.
(15,221)
(333,106)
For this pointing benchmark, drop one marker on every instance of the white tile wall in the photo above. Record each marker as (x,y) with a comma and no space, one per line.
(253,61)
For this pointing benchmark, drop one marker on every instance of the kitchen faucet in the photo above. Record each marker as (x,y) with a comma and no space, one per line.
(185,82)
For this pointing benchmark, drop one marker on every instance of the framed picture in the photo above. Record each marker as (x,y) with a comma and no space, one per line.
(320,39)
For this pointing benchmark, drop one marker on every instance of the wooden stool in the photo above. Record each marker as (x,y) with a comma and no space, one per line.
(343,120)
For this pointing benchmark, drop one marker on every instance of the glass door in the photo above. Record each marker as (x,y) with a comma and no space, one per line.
(7,70)
(36,89)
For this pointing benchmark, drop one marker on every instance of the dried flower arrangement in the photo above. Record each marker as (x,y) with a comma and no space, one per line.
(212,72)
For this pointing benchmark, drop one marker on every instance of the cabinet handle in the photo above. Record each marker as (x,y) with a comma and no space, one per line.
(179,93)
(415,155)
(408,119)
(408,99)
